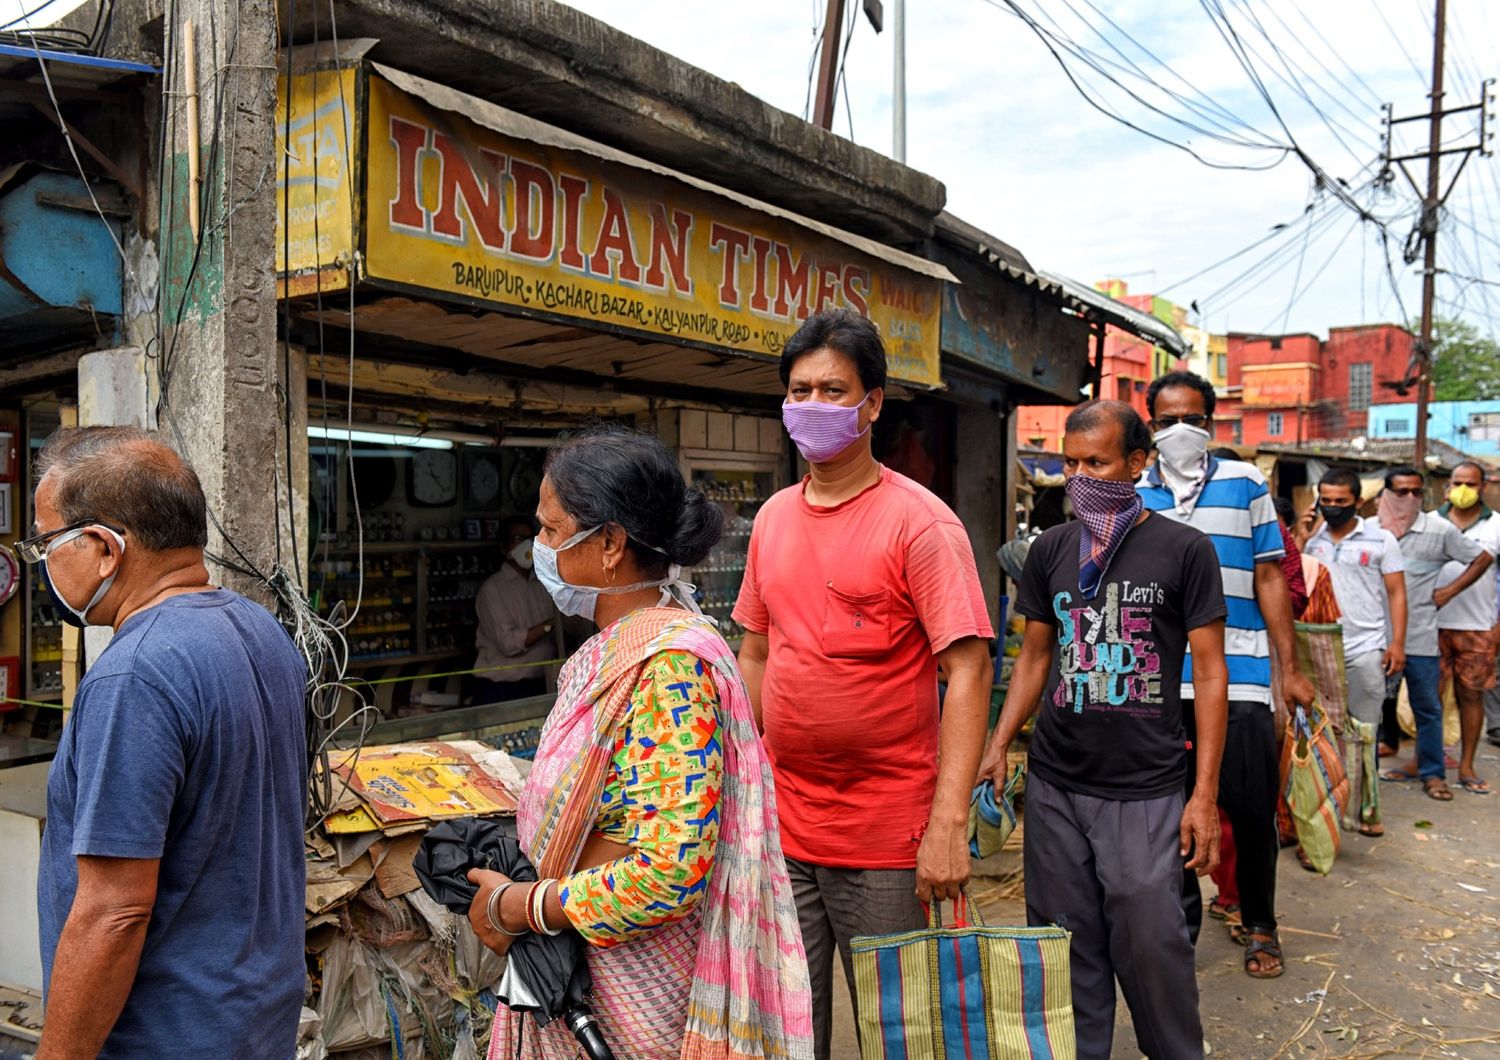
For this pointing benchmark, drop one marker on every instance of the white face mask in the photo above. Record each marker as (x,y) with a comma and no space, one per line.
(521,555)
(582,600)
(1183,461)
(79,616)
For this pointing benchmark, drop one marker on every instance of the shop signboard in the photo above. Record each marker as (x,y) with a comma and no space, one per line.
(462,211)
(314,181)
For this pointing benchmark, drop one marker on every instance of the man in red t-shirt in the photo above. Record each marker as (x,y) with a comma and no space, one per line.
(860,588)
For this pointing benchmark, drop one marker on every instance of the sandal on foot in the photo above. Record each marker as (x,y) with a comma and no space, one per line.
(1222,910)
(1238,933)
(1437,788)
(1305,861)
(1374,831)
(1396,774)
(1473,785)
(1271,947)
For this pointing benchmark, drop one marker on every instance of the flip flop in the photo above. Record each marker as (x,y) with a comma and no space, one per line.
(1397,774)
(1437,788)
(1474,786)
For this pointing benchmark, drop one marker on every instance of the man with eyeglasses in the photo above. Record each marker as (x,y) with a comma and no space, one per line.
(172,878)
(1428,542)
(1230,502)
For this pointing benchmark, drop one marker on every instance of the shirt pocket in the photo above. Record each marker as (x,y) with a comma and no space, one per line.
(854,625)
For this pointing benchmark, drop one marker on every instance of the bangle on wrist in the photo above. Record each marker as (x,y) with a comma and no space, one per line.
(536,911)
(492,910)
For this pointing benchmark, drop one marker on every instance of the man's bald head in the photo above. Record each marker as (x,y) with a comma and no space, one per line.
(127,477)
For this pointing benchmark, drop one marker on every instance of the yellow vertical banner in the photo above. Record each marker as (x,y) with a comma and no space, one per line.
(315,181)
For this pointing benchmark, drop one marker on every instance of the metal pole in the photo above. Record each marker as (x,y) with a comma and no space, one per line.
(898,88)
(1430,231)
(828,65)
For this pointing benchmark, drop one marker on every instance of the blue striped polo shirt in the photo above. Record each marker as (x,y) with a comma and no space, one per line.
(1235,511)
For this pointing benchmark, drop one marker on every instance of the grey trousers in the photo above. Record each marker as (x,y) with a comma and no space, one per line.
(1366,679)
(1111,873)
(835,905)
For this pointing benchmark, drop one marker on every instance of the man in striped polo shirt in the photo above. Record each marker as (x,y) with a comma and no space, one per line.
(1231,504)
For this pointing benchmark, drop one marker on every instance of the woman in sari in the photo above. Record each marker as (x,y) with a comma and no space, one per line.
(649,812)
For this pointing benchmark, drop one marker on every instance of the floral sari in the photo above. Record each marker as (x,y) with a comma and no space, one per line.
(729,980)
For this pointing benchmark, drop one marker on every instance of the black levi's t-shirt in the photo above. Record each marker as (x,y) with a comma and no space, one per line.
(1110,724)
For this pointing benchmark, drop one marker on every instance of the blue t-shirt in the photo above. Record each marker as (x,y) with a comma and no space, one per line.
(1234,509)
(187,744)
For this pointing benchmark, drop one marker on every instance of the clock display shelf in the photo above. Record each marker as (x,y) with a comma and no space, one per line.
(418,605)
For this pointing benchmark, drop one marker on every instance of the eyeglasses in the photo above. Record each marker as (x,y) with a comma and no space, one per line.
(35,549)
(1194,419)
(1410,491)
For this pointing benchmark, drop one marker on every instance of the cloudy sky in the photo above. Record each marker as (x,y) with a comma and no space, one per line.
(992,115)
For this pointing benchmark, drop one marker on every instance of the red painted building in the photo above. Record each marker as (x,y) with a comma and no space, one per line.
(1294,388)
(1361,367)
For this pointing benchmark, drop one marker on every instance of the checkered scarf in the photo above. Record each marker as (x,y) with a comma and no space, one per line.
(1107,510)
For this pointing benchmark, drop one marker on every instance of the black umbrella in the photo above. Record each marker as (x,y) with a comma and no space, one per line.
(545,975)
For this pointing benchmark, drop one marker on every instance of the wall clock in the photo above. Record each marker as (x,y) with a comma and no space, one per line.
(482,481)
(434,478)
(10,575)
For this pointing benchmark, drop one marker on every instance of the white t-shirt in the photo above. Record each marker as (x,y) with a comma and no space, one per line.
(1358,565)
(1477,607)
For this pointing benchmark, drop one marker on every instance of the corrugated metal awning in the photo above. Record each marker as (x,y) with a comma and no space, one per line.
(1078,297)
(1120,315)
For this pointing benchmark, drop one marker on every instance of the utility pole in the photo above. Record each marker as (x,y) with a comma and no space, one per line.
(1429,231)
(898,88)
(828,65)
(1433,198)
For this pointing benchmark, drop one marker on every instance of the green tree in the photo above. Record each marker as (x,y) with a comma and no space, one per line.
(1465,363)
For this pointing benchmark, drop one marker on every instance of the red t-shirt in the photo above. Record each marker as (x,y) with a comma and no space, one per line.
(856,601)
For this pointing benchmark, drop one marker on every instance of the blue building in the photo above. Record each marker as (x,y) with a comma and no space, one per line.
(1471,427)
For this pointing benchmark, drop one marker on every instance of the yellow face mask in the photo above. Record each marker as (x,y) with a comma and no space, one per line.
(1463,497)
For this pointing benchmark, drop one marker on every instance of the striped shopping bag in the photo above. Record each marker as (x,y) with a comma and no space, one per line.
(1315,785)
(966,992)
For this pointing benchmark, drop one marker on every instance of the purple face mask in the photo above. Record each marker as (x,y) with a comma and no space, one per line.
(820,430)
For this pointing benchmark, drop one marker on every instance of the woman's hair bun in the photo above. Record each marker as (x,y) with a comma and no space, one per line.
(700,524)
(633,479)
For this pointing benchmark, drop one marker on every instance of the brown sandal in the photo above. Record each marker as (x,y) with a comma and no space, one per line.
(1437,788)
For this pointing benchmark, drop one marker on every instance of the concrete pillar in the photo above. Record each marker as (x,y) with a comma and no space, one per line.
(224,383)
(112,392)
(976,484)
